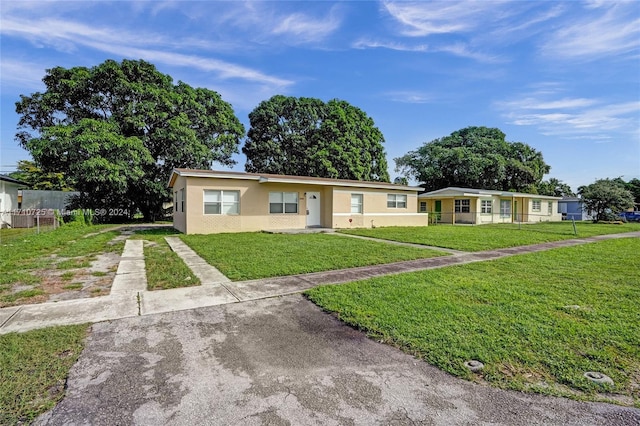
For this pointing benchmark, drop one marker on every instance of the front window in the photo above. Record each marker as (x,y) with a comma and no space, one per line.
(485,206)
(536,205)
(550,208)
(221,202)
(283,202)
(356,203)
(423,206)
(396,201)
(182,200)
(462,206)
(505,208)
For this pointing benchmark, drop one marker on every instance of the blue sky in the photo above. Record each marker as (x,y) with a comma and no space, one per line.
(563,77)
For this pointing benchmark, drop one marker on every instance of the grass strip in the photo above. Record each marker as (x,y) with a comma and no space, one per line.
(245,256)
(487,237)
(33,370)
(538,321)
(165,269)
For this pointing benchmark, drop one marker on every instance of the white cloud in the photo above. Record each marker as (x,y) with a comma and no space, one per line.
(463,50)
(573,117)
(224,70)
(465,29)
(56,32)
(426,18)
(534,103)
(530,23)
(410,97)
(265,22)
(608,30)
(68,36)
(22,75)
(372,44)
(307,29)
(456,49)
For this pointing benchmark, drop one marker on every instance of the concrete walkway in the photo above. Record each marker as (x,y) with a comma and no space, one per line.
(129,296)
(206,273)
(131,276)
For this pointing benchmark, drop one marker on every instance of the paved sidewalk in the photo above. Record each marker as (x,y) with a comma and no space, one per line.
(130,298)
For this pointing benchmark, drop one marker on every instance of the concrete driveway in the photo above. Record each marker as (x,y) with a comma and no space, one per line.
(282,361)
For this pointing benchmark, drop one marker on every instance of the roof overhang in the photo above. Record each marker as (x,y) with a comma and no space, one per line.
(477,193)
(9,179)
(298,180)
(337,182)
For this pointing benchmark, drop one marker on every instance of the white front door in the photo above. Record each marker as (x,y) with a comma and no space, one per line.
(313,208)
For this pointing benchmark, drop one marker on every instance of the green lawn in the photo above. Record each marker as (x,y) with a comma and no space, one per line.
(164,268)
(538,321)
(8,235)
(245,256)
(23,253)
(487,237)
(33,370)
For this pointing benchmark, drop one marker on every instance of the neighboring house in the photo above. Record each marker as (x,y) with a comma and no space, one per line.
(479,206)
(572,208)
(9,198)
(208,201)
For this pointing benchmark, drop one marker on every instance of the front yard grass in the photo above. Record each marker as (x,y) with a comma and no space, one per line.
(164,268)
(537,321)
(33,370)
(246,256)
(24,254)
(487,237)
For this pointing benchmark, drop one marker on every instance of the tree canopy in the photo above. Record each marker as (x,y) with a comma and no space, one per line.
(475,157)
(28,172)
(605,198)
(308,137)
(555,188)
(633,186)
(117,130)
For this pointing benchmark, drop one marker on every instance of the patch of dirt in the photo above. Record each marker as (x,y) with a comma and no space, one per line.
(75,283)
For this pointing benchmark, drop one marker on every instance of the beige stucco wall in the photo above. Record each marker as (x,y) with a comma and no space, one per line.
(522,206)
(254,207)
(543,215)
(335,205)
(374,209)
(179,217)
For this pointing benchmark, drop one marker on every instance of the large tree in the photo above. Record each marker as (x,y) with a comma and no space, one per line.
(605,198)
(117,130)
(308,137)
(633,186)
(555,188)
(475,157)
(28,172)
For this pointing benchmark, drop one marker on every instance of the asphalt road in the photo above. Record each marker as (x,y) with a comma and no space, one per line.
(282,361)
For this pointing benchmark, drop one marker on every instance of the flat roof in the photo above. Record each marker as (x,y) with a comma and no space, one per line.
(271,178)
